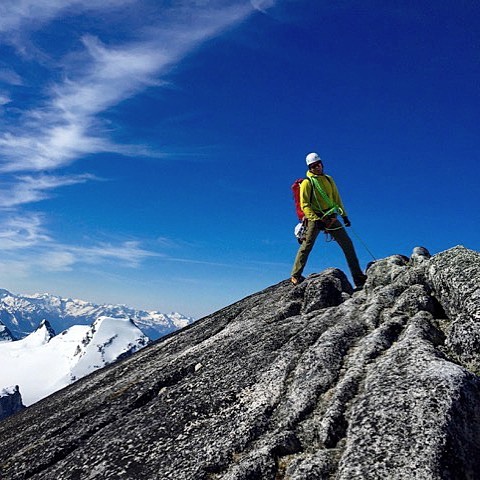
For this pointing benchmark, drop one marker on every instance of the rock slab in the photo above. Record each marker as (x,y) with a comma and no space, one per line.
(299,383)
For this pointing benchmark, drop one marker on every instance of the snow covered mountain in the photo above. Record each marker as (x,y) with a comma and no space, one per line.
(43,362)
(22,314)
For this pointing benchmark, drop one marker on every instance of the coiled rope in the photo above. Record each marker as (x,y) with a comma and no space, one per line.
(333,207)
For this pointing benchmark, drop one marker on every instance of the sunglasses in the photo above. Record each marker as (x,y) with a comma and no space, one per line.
(316,165)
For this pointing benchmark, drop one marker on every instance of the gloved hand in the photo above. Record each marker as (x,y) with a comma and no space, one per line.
(346,221)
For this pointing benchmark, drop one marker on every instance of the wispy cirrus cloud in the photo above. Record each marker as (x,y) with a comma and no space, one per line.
(4,100)
(130,253)
(18,233)
(262,5)
(68,123)
(19,13)
(28,235)
(66,117)
(65,257)
(27,189)
(9,76)
(66,126)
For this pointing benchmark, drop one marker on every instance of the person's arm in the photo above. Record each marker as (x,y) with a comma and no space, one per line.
(336,197)
(338,201)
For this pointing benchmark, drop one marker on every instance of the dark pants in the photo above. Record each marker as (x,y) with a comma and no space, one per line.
(340,236)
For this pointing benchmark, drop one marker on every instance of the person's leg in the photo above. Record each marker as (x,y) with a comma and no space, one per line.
(341,237)
(313,229)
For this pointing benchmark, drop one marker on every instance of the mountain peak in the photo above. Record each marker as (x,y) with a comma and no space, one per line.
(4,293)
(42,335)
(46,328)
(305,382)
(107,340)
(10,401)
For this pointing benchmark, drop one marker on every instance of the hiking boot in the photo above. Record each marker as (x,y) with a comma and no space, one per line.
(297,280)
(359,281)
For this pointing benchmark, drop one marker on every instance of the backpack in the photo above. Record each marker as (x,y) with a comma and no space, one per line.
(300,229)
(296,198)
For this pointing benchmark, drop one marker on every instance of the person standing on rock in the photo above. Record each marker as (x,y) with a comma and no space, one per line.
(321,202)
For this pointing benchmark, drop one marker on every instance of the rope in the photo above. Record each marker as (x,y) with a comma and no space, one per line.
(329,229)
(334,208)
(363,243)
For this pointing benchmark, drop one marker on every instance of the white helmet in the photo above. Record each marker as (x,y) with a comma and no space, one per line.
(312,158)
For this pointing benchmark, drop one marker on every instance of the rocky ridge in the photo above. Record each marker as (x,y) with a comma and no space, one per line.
(10,401)
(5,335)
(299,383)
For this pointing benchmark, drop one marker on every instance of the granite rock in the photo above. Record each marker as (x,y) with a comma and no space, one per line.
(5,334)
(10,402)
(301,383)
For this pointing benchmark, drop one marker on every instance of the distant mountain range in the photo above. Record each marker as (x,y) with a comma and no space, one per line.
(42,362)
(22,314)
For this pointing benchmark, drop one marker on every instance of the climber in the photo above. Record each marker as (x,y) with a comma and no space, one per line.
(321,202)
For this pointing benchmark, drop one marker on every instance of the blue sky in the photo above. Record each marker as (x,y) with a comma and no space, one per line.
(147,148)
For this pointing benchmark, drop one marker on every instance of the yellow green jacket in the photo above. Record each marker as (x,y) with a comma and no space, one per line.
(310,201)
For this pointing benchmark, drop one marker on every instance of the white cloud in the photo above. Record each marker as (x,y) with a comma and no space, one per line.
(4,100)
(47,145)
(68,123)
(16,13)
(129,253)
(35,248)
(262,5)
(13,269)
(19,233)
(58,260)
(9,76)
(28,188)
(65,257)
(66,126)
(114,74)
